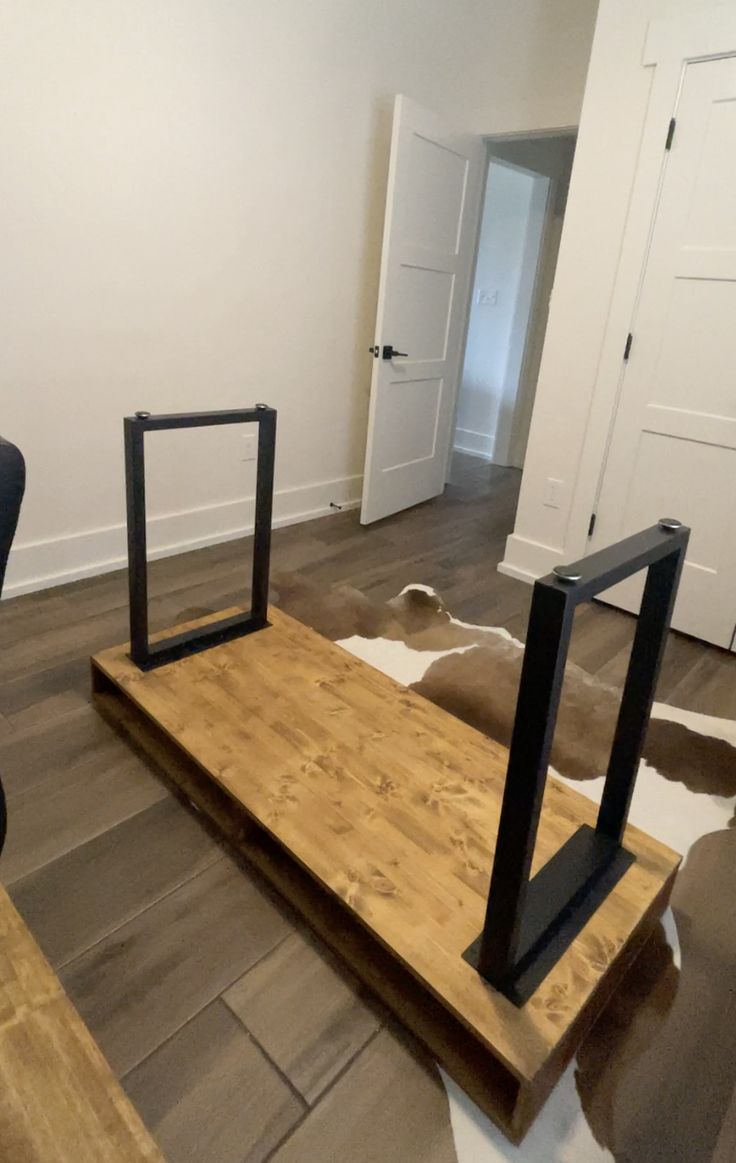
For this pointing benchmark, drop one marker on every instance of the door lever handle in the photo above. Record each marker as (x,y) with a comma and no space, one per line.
(389,352)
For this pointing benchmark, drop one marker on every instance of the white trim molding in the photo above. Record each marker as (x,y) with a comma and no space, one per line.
(475,443)
(528,560)
(710,32)
(55,561)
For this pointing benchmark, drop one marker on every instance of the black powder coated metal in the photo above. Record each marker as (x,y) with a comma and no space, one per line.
(143,652)
(529,925)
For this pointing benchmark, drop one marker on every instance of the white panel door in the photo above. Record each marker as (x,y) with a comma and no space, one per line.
(673,444)
(432,207)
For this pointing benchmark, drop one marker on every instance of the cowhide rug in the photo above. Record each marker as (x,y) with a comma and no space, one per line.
(655,1077)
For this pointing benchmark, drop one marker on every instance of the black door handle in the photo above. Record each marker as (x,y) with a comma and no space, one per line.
(389,352)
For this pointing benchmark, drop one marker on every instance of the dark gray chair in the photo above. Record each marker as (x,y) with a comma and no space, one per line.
(12,487)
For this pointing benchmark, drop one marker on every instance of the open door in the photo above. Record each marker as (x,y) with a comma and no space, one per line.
(432,208)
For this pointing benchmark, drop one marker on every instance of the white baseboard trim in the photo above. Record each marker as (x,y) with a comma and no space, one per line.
(474,443)
(527,560)
(55,561)
(510,570)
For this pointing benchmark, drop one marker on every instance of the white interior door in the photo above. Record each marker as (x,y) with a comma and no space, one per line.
(432,207)
(673,444)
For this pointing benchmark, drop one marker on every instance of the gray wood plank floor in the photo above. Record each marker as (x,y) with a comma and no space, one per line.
(237,1035)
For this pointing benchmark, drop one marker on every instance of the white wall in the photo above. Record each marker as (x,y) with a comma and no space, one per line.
(502,247)
(581,363)
(192,197)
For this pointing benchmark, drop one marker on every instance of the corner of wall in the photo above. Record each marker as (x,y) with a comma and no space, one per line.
(570,422)
(527,560)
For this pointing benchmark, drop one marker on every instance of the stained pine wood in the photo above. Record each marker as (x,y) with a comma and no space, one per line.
(392,806)
(59,1101)
(476,1069)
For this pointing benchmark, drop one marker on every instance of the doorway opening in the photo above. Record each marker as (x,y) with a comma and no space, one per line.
(518,242)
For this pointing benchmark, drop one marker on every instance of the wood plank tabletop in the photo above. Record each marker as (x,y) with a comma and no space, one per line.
(59,1100)
(393,805)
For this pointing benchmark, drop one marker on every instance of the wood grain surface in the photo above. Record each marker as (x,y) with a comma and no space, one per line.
(59,1101)
(392,805)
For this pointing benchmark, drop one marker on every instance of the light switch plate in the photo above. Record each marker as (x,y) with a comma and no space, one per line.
(552,493)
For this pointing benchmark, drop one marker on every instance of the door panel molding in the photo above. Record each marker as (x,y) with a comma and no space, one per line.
(431,222)
(662,454)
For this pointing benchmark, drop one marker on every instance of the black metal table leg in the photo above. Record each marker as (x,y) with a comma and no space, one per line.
(143,652)
(530,924)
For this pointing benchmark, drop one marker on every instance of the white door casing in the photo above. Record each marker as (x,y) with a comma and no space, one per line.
(673,443)
(430,230)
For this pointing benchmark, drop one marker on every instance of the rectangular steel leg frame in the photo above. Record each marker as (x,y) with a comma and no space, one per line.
(143,652)
(530,924)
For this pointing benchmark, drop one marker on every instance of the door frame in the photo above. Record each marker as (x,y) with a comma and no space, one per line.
(468,305)
(489,139)
(523,400)
(671,45)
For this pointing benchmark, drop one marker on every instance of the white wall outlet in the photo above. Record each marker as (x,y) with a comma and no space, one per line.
(552,493)
(486,298)
(250,446)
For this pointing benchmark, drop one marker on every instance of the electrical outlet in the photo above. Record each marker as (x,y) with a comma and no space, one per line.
(552,493)
(250,446)
(486,298)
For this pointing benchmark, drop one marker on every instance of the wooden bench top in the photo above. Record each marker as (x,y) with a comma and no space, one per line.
(392,804)
(59,1100)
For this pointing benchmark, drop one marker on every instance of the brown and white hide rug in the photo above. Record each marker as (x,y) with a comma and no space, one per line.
(655,1077)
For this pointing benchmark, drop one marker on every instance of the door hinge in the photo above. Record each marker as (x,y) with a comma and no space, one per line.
(670,134)
(627,348)
(591,525)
